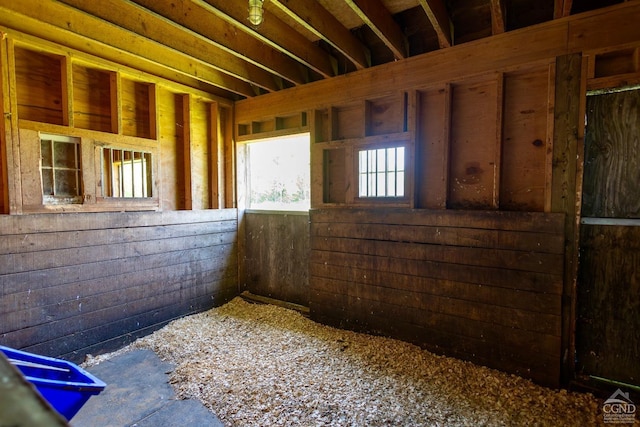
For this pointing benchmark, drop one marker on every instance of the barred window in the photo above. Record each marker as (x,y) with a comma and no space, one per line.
(126,173)
(382,172)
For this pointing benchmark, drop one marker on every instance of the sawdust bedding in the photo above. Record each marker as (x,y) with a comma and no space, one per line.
(261,365)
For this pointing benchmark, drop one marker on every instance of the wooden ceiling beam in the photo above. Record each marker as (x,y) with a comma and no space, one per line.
(498,16)
(377,17)
(147,24)
(439,17)
(67,26)
(274,33)
(311,15)
(562,8)
(194,17)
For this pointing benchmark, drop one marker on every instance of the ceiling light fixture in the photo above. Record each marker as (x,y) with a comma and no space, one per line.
(255,12)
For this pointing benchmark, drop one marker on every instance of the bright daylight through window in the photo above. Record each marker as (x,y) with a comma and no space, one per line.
(381,172)
(279,177)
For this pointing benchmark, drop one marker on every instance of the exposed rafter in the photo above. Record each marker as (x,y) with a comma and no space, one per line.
(273,33)
(190,16)
(562,8)
(437,13)
(498,16)
(63,24)
(210,45)
(377,17)
(316,19)
(141,21)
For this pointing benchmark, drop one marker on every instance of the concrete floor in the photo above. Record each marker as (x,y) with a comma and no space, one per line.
(138,394)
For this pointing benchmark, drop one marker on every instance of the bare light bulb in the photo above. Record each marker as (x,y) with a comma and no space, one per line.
(255,12)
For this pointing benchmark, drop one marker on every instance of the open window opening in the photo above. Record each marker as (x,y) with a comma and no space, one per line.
(279,173)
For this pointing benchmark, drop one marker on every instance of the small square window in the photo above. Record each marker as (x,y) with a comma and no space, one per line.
(60,169)
(126,173)
(381,172)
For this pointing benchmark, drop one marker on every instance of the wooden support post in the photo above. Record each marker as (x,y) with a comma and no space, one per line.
(116,102)
(11,132)
(66,74)
(5,127)
(153,111)
(230,168)
(497,163)
(186,140)
(564,190)
(216,180)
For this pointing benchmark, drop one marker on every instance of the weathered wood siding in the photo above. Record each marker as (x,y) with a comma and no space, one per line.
(607,341)
(277,255)
(482,286)
(72,284)
(607,324)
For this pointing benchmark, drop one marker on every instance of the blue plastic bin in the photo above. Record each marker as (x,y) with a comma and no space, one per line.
(66,386)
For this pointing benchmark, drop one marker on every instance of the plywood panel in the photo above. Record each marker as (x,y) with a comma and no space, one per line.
(612,156)
(473,151)
(525,145)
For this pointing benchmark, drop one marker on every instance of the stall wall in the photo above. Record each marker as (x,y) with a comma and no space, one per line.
(76,284)
(277,254)
(91,264)
(478,258)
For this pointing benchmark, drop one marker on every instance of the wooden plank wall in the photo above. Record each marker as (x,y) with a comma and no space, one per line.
(73,284)
(481,286)
(277,255)
(607,342)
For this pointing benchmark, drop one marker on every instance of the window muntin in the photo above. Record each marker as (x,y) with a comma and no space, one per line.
(126,173)
(381,172)
(60,169)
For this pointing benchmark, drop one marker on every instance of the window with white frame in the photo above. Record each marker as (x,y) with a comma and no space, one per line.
(60,169)
(381,172)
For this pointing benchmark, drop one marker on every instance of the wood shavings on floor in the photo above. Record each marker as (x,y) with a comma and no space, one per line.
(261,365)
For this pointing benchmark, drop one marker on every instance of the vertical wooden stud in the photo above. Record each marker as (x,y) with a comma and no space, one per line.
(564,190)
(230,168)
(215,155)
(116,102)
(350,173)
(66,74)
(410,108)
(153,111)
(548,175)
(186,138)
(497,163)
(11,133)
(446,140)
(5,127)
